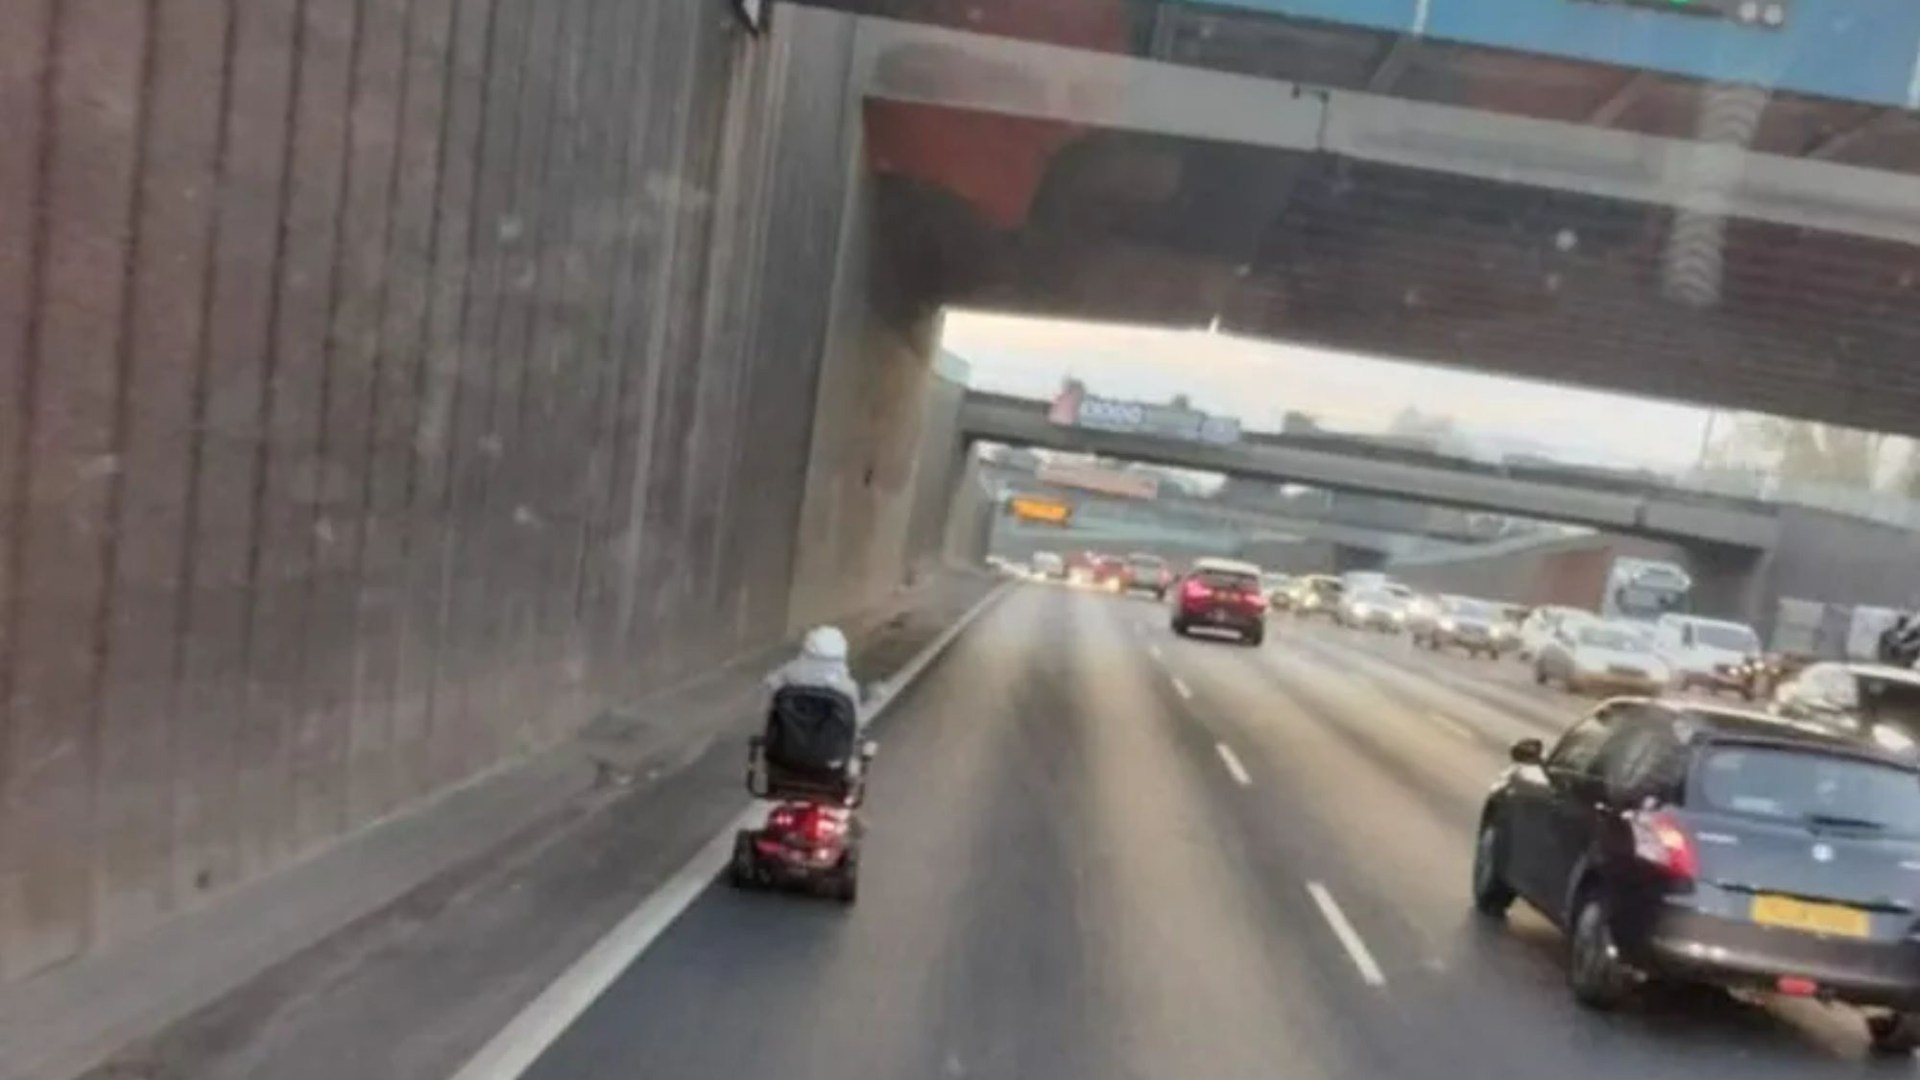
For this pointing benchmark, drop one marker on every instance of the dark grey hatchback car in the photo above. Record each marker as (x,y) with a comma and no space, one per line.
(1681,841)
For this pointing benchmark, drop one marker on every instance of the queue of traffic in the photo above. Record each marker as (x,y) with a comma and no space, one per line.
(1764,847)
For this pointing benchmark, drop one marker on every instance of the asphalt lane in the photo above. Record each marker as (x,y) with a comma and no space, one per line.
(1097,850)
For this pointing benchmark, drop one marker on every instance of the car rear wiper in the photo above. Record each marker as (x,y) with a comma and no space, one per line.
(1837,821)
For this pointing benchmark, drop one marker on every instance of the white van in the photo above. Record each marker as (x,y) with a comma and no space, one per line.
(1705,652)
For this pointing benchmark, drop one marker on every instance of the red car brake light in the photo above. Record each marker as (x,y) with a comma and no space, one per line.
(1659,840)
(1195,590)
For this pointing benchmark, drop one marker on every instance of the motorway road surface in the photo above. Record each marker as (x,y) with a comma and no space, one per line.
(1099,851)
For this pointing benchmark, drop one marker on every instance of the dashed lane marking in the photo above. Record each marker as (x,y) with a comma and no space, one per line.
(1350,939)
(1232,761)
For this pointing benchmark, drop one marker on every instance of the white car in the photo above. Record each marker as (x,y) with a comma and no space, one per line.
(1587,655)
(1542,623)
(1373,609)
(1706,652)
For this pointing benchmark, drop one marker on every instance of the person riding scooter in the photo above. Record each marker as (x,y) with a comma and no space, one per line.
(822,664)
(811,761)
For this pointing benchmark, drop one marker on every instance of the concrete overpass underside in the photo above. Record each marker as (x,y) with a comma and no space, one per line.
(1561,224)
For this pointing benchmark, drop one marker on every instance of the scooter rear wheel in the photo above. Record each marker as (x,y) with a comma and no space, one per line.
(846,883)
(743,872)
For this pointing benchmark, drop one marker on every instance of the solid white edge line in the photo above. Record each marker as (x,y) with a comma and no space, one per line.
(1350,939)
(1154,651)
(515,1047)
(1232,761)
(1452,725)
(1180,687)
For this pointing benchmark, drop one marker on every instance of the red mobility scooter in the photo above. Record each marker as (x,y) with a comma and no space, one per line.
(811,762)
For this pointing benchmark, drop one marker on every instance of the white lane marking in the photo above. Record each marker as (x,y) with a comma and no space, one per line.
(1370,972)
(1180,687)
(1452,726)
(1232,761)
(515,1047)
(1154,651)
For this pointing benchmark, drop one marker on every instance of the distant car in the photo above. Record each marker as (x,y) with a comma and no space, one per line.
(1764,674)
(1049,566)
(1221,594)
(1148,574)
(1706,652)
(1596,656)
(1874,701)
(1081,567)
(1461,622)
(1675,841)
(1373,609)
(1316,594)
(1542,623)
(1279,589)
(1109,573)
(1512,617)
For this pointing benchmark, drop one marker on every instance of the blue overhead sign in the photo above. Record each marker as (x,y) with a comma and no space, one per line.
(1854,50)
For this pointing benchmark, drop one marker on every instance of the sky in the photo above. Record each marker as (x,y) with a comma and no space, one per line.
(1259,381)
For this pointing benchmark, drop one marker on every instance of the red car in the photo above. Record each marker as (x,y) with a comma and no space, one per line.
(1097,570)
(1222,594)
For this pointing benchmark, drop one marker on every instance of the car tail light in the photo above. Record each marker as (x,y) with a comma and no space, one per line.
(1253,600)
(783,819)
(1196,591)
(1659,840)
(1795,986)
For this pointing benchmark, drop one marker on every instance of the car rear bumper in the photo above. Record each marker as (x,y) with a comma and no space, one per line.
(1216,619)
(1719,680)
(1618,683)
(1734,953)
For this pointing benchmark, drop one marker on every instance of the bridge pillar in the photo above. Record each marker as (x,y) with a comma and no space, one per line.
(858,533)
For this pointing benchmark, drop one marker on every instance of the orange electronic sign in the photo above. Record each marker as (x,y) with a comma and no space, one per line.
(1045,511)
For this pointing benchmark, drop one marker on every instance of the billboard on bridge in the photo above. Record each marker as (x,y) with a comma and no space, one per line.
(1100,478)
(1074,407)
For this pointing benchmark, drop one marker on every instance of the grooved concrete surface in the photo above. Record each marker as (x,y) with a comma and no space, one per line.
(399,950)
(386,387)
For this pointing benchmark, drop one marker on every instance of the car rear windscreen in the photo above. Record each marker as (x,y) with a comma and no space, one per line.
(1607,637)
(1228,580)
(1730,638)
(1807,786)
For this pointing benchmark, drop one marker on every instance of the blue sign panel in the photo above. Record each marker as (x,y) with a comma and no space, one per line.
(1854,50)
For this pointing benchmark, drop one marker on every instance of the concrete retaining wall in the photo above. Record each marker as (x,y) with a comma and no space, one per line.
(384,387)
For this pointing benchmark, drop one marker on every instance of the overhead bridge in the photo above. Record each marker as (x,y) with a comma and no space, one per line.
(1601,242)
(1574,498)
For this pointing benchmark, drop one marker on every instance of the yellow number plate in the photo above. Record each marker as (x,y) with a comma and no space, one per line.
(1784,911)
